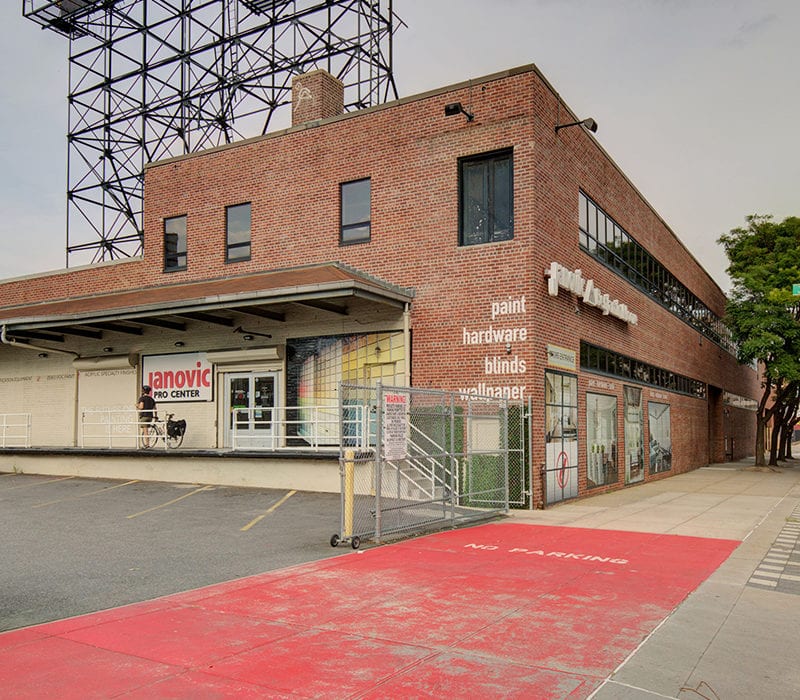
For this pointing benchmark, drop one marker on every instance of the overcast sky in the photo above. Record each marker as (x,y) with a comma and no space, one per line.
(698,101)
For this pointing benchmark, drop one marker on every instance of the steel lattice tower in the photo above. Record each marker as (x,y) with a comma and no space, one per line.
(151,79)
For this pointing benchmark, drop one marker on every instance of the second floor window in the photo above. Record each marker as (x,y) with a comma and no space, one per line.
(175,243)
(603,238)
(486,198)
(355,205)
(237,232)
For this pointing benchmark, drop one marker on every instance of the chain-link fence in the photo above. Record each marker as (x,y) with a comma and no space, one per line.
(417,459)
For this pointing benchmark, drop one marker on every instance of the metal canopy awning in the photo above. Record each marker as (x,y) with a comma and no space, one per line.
(330,287)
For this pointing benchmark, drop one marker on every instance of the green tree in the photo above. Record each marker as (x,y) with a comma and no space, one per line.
(764,316)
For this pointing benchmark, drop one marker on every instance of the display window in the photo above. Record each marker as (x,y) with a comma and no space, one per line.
(601,440)
(317,366)
(634,444)
(660,437)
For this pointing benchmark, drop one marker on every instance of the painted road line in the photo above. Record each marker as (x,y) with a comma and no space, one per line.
(762,582)
(768,574)
(270,510)
(83,495)
(38,483)
(774,559)
(169,503)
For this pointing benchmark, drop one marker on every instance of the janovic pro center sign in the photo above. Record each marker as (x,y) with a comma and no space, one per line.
(184,376)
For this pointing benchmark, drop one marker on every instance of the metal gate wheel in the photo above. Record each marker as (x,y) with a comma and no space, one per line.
(334,540)
(355,543)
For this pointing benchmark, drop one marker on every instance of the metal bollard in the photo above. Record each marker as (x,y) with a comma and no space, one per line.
(349,488)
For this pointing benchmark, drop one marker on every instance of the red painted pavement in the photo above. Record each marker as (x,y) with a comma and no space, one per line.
(501,610)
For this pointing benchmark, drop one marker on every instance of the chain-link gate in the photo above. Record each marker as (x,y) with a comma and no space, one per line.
(417,459)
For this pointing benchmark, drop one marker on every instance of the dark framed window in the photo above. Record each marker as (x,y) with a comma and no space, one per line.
(175,243)
(603,238)
(237,232)
(603,361)
(486,198)
(660,437)
(356,209)
(634,443)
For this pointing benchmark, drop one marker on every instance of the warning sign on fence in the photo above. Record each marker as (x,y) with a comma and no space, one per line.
(394,426)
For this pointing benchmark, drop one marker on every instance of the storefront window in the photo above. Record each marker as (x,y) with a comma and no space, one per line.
(316,366)
(660,437)
(601,440)
(561,420)
(634,448)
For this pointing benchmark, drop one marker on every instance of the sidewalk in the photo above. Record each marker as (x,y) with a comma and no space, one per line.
(737,635)
(684,588)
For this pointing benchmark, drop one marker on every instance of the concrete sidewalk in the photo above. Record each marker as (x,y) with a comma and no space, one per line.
(737,635)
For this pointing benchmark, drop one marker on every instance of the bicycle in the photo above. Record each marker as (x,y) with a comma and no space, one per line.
(153,432)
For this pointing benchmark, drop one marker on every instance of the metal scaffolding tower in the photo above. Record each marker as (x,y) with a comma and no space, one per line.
(151,79)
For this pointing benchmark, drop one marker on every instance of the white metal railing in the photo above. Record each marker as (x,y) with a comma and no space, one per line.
(115,427)
(298,427)
(15,429)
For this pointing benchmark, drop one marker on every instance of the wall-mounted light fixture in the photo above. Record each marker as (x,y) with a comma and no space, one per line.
(179,343)
(108,348)
(454,108)
(248,337)
(589,123)
(43,355)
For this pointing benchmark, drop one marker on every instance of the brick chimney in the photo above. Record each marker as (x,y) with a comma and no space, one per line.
(316,95)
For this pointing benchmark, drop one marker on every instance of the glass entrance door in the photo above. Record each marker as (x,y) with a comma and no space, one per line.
(634,444)
(561,439)
(251,401)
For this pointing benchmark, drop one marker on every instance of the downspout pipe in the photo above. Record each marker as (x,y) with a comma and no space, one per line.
(29,346)
(407,341)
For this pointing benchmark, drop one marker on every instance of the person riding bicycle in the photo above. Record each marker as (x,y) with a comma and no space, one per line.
(147,414)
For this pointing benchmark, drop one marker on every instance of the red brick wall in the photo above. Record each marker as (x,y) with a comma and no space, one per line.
(410,150)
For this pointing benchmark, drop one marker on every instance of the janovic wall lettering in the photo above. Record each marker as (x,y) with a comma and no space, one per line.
(505,364)
(181,378)
(490,334)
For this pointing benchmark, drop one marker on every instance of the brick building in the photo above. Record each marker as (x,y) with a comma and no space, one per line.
(452,240)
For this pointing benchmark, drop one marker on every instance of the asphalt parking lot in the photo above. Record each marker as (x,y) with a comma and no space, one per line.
(71,546)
